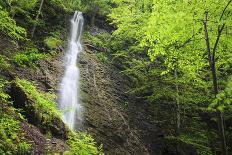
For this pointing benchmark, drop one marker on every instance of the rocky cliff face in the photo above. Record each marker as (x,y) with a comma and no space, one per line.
(104,98)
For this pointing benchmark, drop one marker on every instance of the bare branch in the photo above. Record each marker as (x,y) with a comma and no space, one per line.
(224,10)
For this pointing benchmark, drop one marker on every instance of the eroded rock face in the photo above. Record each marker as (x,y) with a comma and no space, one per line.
(103,92)
(40,143)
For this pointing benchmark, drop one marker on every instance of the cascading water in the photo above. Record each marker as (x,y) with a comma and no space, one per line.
(69,102)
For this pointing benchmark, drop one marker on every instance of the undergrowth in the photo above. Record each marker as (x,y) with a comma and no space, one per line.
(83,144)
(28,57)
(53,41)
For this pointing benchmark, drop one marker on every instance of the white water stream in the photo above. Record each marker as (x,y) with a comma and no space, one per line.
(69,102)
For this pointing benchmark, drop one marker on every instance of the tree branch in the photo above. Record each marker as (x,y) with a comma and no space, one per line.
(217,40)
(220,29)
(224,10)
(205,22)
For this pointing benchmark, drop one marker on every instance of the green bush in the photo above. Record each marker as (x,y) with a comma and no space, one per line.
(52,42)
(83,144)
(28,58)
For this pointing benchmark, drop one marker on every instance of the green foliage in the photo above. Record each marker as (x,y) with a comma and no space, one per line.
(198,138)
(53,41)
(68,5)
(103,57)
(82,144)
(28,57)
(23,8)
(96,6)
(23,4)
(196,142)
(10,142)
(24,148)
(44,104)
(9,28)
(100,40)
(223,100)
(101,43)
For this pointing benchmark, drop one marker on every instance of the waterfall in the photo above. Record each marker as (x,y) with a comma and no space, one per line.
(69,101)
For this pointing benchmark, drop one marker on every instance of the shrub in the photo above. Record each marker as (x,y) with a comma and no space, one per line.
(52,42)
(83,144)
(28,58)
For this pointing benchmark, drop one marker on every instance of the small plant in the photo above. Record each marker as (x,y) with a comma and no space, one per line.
(83,144)
(24,148)
(28,58)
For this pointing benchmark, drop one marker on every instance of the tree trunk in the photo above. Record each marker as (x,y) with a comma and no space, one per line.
(36,18)
(211,58)
(178,123)
(92,20)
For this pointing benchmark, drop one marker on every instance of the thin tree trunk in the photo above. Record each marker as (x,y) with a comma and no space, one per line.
(92,20)
(36,18)
(178,123)
(211,58)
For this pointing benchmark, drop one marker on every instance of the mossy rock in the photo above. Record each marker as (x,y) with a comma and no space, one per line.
(35,113)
